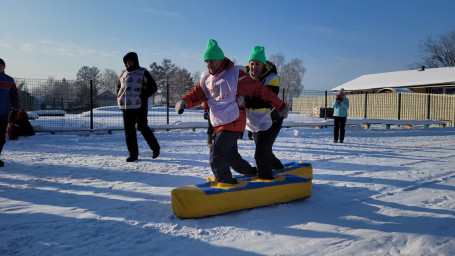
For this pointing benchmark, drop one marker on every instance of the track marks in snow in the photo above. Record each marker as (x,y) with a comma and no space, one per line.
(425,183)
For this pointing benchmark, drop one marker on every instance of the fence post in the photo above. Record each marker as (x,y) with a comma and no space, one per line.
(91,105)
(167,101)
(366,104)
(428,106)
(325,107)
(399,106)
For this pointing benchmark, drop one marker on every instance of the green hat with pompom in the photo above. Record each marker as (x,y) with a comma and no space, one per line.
(213,51)
(258,54)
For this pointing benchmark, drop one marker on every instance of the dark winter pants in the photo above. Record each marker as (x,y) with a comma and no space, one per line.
(340,123)
(131,117)
(210,129)
(265,159)
(3,127)
(223,154)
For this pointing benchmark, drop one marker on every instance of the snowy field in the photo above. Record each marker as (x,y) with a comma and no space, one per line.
(383,192)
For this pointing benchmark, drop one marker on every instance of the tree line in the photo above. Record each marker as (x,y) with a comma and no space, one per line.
(179,81)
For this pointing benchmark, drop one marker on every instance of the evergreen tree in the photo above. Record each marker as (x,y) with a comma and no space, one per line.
(180,83)
(161,74)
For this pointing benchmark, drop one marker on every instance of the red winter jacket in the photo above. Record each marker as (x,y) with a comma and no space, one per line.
(21,115)
(246,86)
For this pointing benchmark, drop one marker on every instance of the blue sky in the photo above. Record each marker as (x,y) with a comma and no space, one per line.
(337,41)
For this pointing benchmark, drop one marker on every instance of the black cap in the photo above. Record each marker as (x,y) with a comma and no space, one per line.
(2,62)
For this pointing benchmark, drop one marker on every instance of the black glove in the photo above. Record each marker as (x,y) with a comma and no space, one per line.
(206,116)
(275,116)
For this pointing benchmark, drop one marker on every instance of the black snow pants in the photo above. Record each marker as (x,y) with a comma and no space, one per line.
(340,123)
(131,117)
(224,154)
(265,159)
(3,127)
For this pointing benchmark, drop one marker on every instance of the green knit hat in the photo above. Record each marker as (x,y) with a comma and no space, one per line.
(258,54)
(213,51)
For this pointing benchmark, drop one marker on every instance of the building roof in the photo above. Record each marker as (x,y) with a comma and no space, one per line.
(399,79)
(106,95)
(397,90)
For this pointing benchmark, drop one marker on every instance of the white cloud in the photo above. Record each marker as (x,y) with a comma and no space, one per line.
(27,47)
(4,44)
(41,58)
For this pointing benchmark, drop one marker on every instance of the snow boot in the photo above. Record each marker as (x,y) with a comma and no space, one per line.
(232,181)
(266,177)
(131,158)
(2,163)
(156,153)
(253,171)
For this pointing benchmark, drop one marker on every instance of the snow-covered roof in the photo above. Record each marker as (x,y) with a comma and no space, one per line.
(408,78)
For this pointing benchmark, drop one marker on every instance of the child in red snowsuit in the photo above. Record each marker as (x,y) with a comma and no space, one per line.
(19,124)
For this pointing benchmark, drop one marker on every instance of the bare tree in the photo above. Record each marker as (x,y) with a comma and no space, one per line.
(278,60)
(291,75)
(291,79)
(83,77)
(196,77)
(109,81)
(438,52)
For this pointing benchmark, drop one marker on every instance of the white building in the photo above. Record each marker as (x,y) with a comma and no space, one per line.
(424,80)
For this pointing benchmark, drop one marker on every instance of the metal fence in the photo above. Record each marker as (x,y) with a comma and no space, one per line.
(57,104)
(68,104)
(399,106)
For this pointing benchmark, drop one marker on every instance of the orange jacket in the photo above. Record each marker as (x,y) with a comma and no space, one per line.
(246,86)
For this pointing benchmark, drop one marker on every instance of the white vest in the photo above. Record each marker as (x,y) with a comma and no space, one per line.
(130,89)
(221,92)
(260,119)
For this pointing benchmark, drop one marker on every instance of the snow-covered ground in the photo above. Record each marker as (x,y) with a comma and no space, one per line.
(383,192)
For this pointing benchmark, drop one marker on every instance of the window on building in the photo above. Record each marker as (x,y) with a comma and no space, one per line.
(450,91)
(437,91)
